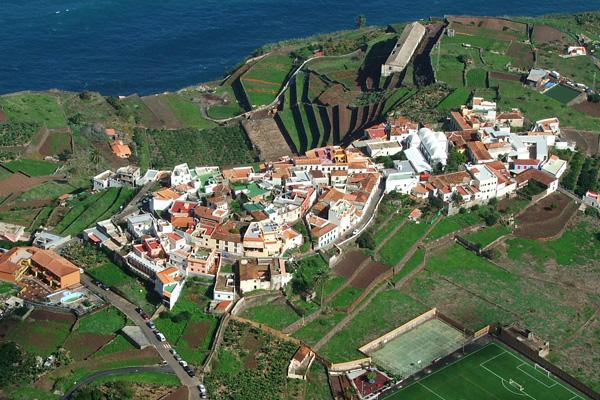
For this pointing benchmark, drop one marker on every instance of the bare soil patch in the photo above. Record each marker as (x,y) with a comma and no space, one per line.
(546,218)
(18,183)
(543,34)
(2,116)
(588,107)
(181,393)
(587,142)
(47,149)
(196,332)
(349,263)
(266,136)
(503,27)
(162,111)
(368,275)
(83,345)
(503,76)
(39,314)
(250,343)
(522,55)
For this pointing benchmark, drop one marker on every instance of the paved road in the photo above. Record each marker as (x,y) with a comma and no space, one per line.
(133,204)
(119,371)
(128,309)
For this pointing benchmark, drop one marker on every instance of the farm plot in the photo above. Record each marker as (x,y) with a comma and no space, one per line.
(455,99)
(477,77)
(368,274)
(42,333)
(546,218)
(452,224)
(342,70)
(32,167)
(521,54)
(486,236)
(263,80)
(349,263)
(588,107)
(250,364)
(185,111)
(276,314)
(217,146)
(17,133)
(395,249)
(544,34)
(91,209)
(504,76)
(187,327)
(57,142)
(135,106)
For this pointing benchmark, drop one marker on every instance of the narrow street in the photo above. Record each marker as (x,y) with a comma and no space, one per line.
(128,309)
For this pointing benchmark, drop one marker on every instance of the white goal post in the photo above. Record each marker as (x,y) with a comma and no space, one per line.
(515,384)
(543,370)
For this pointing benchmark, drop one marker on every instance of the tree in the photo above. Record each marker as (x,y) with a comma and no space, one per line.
(594,98)
(455,160)
(456,198)
(366,241)
(361,21)
(95,156)
(16,365)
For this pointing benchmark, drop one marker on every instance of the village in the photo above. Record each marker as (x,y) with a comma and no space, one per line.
(326,256)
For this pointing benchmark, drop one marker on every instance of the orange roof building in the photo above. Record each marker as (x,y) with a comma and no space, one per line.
(47,266)
(120,149)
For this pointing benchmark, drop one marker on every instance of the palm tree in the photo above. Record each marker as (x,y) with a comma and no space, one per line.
(95,156)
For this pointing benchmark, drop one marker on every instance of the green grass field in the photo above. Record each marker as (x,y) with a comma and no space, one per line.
(393,251)
(345,297)
(476,77)
(493,373)
(372,322)
(487,235)
(455,99)
(199,328)
(39,108)
(106,321)
(275,315)
(47,190)
(562,93)
(263,81)
(229,108)
(186,112)
(32,167)
(453,224)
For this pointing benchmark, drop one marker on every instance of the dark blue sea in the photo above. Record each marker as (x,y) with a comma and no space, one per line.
(147,46)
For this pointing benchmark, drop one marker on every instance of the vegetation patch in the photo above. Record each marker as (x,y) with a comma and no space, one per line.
(217,146)
(32,167)
(276,314)
(251,365)
(33,108)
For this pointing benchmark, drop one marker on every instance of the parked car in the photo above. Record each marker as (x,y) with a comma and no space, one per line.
(173,351)
(202,390)
(189,371)
(161,337)
(139,310)
(177,357)
(151,325)
(183,363)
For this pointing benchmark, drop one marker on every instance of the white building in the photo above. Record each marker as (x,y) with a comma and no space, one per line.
(433,146)
(485,180)
(401,179)
(555,166)
(181,175)
(405,48)
(140,225)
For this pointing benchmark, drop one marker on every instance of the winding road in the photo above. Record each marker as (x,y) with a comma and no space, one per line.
(113,372)
(162,348)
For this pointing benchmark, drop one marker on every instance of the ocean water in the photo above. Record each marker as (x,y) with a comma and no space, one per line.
(119,47)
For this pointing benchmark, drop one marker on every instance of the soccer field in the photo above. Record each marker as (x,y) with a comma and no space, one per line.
(493,373)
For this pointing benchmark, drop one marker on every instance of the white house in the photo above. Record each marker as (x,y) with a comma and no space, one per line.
(592,199)
(401,179)
(168,283)
(433,146)
(485,180)
(140,225)
(181,175)
(555,166)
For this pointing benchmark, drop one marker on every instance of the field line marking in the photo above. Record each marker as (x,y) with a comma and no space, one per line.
(542,383)
(503,381)
(431,391)
(451,364)
(490,359)
(556,380)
